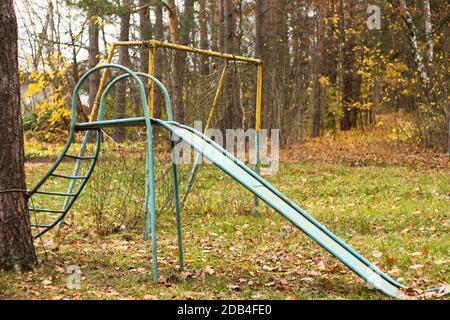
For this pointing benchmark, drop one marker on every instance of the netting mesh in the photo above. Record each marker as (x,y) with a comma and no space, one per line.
(196,84)
(193,88)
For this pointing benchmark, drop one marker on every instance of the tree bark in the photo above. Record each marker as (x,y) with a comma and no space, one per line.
(204,68)
(214,22)
(259,23)
(421,69)
(119,133)
(221,26)
(16,244)
(350,79)
(233,118)
(186,23)
(43,36)
(262,52)
(94,79)
(159,57)
(428,31)
(146,31)
(341,59)
(230,27)
(173,21)
(180,59)
(318,64)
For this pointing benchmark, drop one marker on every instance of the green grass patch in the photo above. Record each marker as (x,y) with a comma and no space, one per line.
(397,217)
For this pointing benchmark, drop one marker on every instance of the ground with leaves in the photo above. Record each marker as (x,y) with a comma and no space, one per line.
(395,216)
(373,189)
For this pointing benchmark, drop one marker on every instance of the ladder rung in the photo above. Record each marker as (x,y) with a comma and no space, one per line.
(57,193)
(40,225)
(78,157)
(47,210)
(68,177)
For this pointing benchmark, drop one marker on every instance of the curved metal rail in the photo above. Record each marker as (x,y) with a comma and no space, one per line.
(216,154)
(72,193)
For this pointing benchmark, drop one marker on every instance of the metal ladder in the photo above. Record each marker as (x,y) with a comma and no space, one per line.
(70,196)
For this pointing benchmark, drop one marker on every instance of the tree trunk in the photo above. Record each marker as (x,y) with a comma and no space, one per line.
(146,31)
(234,117)
(119,133)
(173,21)
(281,55)
(43,36)
(428,31)
(221,26)
(318,64)
(94,79)
(186,23)
(16,244)
(263,33)
(230,27)
(341,58)
(159,62)
(350,79)
(180,59)
(259,23)
(204,68)
(421,69)
(214,22)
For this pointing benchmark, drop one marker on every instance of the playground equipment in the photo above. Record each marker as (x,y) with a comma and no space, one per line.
(214,153)
(207,95)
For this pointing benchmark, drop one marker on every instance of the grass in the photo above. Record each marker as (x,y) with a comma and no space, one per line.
(396,216)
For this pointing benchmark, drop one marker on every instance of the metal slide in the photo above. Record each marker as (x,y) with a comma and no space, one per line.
(249,179)
(214,153)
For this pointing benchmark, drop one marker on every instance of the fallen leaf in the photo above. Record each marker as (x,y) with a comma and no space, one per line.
(208,270)
(186,274)
(233,287)
(377,253)
(47,282)
(417,267)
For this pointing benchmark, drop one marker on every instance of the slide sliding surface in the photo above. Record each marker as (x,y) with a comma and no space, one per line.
(234,168)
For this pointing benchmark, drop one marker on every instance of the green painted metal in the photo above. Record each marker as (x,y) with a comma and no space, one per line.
(150,211)
(75,172)
(72,196)
(221,158)
(284,198)
(127,122)
(257,170)
(149,227)
(177,207)
(258,186)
